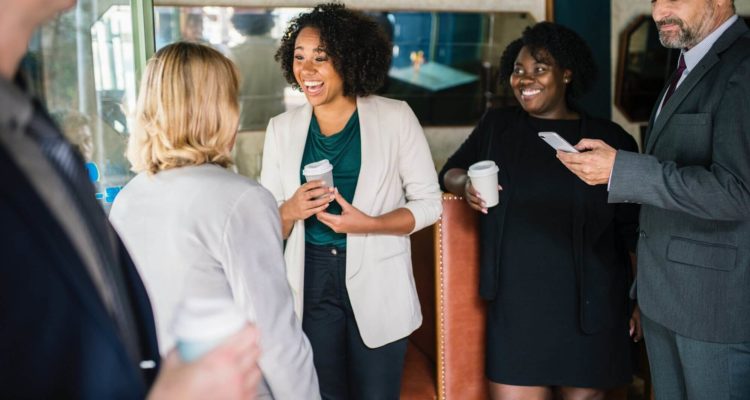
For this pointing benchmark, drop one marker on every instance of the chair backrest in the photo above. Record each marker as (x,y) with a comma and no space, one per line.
(460,310)
(424,266)
(419,379)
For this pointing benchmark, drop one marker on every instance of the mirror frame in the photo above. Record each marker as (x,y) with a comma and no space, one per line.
(622,53)
(541,10)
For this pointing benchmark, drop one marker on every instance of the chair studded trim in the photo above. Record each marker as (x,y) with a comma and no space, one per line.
(460,311)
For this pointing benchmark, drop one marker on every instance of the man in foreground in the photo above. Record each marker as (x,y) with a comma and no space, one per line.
(75,318)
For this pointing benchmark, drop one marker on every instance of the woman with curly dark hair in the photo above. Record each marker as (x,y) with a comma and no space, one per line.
(554,255)
(347,250)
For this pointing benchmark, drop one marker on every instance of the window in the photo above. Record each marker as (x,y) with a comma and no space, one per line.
(81,66)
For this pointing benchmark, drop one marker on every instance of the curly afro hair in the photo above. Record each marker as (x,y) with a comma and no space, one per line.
(355,43)
(554,44)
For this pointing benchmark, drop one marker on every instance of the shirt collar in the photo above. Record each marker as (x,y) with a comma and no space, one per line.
(696,54)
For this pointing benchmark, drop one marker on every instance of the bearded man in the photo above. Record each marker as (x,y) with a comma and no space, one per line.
(693,182)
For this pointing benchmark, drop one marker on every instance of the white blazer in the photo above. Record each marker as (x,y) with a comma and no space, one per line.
(202,231)
(396,172)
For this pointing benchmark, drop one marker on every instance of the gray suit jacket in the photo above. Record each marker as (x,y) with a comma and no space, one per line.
(694,184)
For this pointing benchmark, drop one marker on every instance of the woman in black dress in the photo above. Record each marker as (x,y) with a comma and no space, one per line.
(554,255)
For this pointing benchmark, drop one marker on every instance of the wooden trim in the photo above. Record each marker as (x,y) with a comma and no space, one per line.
(549,11)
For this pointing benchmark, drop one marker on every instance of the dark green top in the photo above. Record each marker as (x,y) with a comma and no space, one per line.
(344,151)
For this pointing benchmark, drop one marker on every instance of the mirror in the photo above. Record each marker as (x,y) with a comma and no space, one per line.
(643,67)
(444,63)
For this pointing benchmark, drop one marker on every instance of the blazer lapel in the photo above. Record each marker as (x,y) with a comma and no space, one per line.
(299,125)
(365,194)
(369,128)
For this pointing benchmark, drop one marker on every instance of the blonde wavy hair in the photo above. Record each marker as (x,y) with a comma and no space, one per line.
(187,111)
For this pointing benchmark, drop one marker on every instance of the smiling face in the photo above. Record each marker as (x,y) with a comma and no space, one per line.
(539,85)
(314,70)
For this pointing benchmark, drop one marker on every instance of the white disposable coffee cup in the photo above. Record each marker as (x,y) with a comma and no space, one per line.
(202,324)
(483,175)
(322,170)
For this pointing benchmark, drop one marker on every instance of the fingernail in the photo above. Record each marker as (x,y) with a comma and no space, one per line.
(484,210)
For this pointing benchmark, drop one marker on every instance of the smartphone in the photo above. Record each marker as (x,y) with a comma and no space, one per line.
(557,142)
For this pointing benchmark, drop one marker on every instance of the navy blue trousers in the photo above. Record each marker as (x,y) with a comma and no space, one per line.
(346,367)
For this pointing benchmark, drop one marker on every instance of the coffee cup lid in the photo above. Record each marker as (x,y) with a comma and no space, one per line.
(482,168)
(207,319)
(317,168)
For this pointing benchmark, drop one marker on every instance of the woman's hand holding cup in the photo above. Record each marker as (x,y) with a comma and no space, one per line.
(474,198)
(309,199)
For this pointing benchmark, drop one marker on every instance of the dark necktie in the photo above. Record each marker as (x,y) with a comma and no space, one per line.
(69,164)
(675,80)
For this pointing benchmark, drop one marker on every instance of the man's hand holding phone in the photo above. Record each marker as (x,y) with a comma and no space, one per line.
(593,164)
(557,142)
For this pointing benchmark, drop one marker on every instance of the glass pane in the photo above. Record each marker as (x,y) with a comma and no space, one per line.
(444,64)
(81,66)
(250,38)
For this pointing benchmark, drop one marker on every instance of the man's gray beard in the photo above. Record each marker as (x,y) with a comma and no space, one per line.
(688,36)
(685,39)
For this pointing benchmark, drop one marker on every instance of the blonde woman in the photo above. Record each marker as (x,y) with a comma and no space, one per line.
(197,230)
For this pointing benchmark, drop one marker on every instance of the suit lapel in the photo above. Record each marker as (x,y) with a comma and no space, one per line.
(652,120)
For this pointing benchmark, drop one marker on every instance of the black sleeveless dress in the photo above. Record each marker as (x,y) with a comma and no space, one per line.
(534,336)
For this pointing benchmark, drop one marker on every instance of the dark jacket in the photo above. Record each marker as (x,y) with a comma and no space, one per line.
(494,138)
(57,338)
